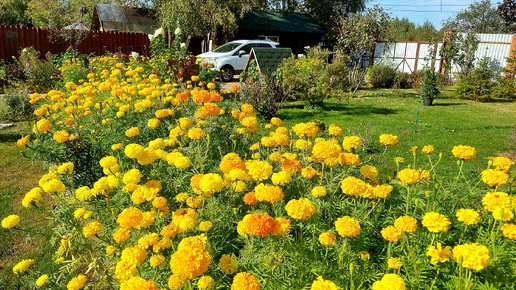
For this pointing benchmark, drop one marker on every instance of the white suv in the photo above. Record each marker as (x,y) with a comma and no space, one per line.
(232,57)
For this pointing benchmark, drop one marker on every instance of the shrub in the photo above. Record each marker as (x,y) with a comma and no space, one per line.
(312,79)
(39,72)
(381,76)
(403,80)
(504,89)
(430,89)
(15,106)
(477,86)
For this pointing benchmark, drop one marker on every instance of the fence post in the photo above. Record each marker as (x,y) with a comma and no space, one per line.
(511,65)
(442,64)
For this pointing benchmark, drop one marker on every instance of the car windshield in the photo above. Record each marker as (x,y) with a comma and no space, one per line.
(227,47)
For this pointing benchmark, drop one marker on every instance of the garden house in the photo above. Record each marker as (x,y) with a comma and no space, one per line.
(290,29)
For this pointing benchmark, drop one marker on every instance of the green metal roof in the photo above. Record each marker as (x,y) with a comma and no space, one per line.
(280,21)
(268,59)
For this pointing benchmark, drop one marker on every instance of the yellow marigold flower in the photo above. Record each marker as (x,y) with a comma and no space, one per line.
(157,260)
(130,217)
(228,263)
(502,214)
(369,171)
(501,163)
(108,161)
(195,201)
(10,221)
(382,191)
(468,216)
(206,282)
(347,226)
(244,280)
(77,283)
(231,161)
(334,130)
(153,123)
(32,197)
(364,255)
(22,266)
(268,193)
(308,172)
(464,152)
(389,281)
(394,263)
(327,239)
(353,186)
(399,160)
(190,263)
(181,197)
(435,222)
(117,146)
(61,136)
(259,170)
(182,162)
(185,218)
(79,212)
(249,122)
(428,149)
(41,127)
(493,200)
(281,226)
(493,177)
(388,139)
(409,176)
(406,224)
(205,226)
(300,209)
(325,150)
(42,280)
(91,229)
(351,142)
(211,183)
(319,191)
(23,141)
(132,176)
(439,254)
(148,240)
(138,283)
(110,250)
(321,284)
(87,215)
(175,282)
(305,129)
(391,234)
(134,150)
(509,231)
(474,256)
(254,147)
(276,121)
(196,133)
(131,132)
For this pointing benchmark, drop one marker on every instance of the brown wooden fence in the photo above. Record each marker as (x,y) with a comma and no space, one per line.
(15,38)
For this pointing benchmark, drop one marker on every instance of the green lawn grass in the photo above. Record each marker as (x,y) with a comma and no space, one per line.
(449,122)
(17,176)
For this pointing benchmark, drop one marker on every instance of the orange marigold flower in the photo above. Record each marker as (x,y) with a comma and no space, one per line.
(501,163)
(130,217)
(428,149)
(260,224)
(353,186)
(281,226)
(327,239)
(509,231)
(250,198)
(268,193)
(61,136)
(391,234)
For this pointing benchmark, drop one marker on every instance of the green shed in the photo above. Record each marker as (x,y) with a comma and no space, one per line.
(267,59)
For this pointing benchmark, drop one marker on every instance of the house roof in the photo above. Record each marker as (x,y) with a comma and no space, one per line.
(280,21)
(267,59)
(115,18)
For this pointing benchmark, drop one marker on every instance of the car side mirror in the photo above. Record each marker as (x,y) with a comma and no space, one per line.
(241,52)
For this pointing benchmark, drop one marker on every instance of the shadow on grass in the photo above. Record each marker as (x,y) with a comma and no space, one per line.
(341,108)
(447,104)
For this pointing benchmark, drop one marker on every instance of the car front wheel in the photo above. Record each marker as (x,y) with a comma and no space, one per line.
(227,73)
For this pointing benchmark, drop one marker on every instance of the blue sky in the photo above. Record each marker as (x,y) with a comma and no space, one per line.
(418,11)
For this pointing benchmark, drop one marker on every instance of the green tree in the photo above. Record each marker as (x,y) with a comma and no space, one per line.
(12,12)
(479,17)
(358,35)
(60,13)
(327,12)
(507,11)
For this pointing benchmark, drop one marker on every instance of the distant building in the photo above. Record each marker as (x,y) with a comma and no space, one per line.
(290,29)
(107,17)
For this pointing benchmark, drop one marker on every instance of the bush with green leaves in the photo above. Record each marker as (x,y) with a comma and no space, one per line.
(430,89)
(381,76)
(312,79)
(477,85)
(15,106)
(39,72)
